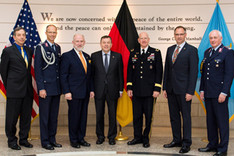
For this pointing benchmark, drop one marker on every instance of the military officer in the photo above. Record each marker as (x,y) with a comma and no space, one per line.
(217,72)
(47,62)
(143,84)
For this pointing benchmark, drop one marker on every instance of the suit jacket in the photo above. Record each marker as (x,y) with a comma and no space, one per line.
(113,79)
(16,76)
(145,72)
(48,78)
(181,76)
(73,77)
(217,72)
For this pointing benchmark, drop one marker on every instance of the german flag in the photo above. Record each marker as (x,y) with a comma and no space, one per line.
(124,39)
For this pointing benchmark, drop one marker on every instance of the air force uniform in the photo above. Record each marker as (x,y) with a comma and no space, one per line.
(217,72)
(47,67)
(143,78)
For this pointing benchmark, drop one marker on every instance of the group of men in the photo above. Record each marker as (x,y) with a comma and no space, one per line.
(79,77)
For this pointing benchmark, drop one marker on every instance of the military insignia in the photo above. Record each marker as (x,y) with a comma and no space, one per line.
(113,57)
(220,50)
(156,50)
(217,65)
(89,61)
(137,53)
(151,57)
(151,67)
(133,67)
(46,44)
(132,50)
(134,59)
(203,61)
(135,56)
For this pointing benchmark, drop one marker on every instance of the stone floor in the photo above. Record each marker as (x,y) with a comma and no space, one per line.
(160,136)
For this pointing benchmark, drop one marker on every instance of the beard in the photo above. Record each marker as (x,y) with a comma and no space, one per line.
(78,48)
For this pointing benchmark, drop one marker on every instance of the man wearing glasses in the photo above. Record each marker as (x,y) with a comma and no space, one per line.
(180,76)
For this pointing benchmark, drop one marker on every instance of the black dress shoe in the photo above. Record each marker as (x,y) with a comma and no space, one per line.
(172,144)
(55,144)
(100,141)
(112,142)
(26,144)
(48,147)
(14,146)
(134,142)
(207,149)
(75,145)
(84,143)
(146,144)
(220,154)
(184,149)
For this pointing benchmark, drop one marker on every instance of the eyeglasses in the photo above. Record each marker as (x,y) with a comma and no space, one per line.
(179,34)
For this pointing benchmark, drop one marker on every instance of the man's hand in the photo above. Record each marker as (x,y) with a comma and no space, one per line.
(91,94)
(156,94)
(188,97)
(68,96)
(221,98)
(130,93)
(121,94)
(165,94)
(202,96)
(42,93)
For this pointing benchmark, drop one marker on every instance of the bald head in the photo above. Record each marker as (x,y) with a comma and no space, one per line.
(216,38)
(143,39)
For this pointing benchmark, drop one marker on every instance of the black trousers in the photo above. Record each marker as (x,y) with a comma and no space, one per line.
(48,110)
(15,108)
(217,119)
(77,119)
(100,112)
(179,106)
(142,105)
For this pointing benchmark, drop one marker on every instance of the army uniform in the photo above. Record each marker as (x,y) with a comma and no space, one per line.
(143,78)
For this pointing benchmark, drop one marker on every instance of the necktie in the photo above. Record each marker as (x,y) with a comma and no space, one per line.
(106,63)
(53,47)
(175,54)
(143,52)
(83,61)
(24,57)
(212,52)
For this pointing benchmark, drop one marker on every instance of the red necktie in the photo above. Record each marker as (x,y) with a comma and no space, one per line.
(175,54)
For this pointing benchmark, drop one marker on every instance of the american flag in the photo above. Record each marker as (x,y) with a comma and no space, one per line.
(25,20)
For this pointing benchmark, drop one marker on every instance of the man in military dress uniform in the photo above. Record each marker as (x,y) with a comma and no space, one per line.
(143,84)
(217,72)
(47,62)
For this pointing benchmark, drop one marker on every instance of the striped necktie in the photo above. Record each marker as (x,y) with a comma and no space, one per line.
(24,56)
(175,54)
(83,61)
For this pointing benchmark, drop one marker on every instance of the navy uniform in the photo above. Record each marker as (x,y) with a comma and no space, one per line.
(47,73)
(217,72)
(144,76)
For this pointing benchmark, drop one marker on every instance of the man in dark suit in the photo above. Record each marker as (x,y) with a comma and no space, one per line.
(107,72)
(77,87)
(217,72)
(15,70)
(46,65)
(144,80)
(180,76)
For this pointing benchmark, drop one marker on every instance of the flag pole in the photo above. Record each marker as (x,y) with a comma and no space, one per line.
(120,136)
